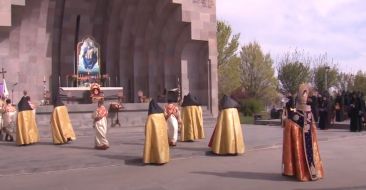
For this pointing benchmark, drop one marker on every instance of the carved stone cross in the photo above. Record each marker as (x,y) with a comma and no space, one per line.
(3,72)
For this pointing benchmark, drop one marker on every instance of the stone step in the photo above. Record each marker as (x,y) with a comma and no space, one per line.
(82,121)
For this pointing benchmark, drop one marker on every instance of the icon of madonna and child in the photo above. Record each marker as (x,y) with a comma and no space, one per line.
(88,57)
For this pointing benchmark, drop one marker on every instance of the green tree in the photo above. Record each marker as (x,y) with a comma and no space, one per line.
(344,81)
(293,69)
(229,77)
(360,82)
(324,76)
(257,73)
(228,61)
(227,44)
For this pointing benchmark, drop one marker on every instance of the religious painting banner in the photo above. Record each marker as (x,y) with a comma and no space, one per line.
(1,89)
(88,58)
(88,62)
(4,89)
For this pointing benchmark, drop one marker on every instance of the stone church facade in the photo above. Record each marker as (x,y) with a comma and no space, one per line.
(147,45)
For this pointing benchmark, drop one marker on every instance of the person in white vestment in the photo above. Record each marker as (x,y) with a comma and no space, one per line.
(9,123)
(100,124)
(172,115)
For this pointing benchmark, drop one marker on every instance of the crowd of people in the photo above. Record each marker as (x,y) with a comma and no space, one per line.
(163,124)
(20,124)
(301,157)
(338,107)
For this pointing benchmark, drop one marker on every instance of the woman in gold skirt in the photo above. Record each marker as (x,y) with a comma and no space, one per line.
(61,127)
(156,147)
(227,137)
(192,123)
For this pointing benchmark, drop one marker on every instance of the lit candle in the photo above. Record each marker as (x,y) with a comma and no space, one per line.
(44,78)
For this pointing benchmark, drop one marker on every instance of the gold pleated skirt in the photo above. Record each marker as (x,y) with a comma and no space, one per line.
(61,126)
(293,157)
(227,137)
(192,123)
(156,149)
(27,131)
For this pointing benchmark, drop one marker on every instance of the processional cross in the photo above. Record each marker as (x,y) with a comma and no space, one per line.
(3,72)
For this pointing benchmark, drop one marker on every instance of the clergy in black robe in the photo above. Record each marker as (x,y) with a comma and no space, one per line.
(362,112)
(353,114)
(339,104)
(290,105)
(313,102)
(324,113)
(356,112)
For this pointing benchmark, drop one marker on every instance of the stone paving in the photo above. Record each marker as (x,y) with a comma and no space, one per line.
(79,159)
(126,148)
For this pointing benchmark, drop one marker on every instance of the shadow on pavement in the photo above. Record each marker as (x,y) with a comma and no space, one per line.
(210,153)
(130,143)
(4,143)
(128,160)
(44,143)
(248,175)
(199,149)
(7,143)
(76,147)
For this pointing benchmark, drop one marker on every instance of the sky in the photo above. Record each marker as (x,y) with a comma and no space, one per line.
(336,28)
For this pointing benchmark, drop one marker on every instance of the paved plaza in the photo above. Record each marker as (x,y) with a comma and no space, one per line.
(78,166)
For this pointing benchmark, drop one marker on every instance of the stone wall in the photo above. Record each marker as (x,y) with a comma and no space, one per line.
(25,48)
(5,13)
(133,115)
(145,44)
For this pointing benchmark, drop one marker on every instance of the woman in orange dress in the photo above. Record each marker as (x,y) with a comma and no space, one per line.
(300,156)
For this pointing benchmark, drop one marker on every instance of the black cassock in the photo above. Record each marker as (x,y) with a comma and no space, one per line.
(355,113)
(314,108)
(339,105)
(324,115)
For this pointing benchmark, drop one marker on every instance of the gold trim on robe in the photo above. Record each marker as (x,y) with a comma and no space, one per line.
(27,131)
(61,126)
(227,137)
(156,148)
(293,155)
(192,124)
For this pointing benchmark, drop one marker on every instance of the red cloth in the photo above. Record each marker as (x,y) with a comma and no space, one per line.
(10,108)
(171,109)
(101,112)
